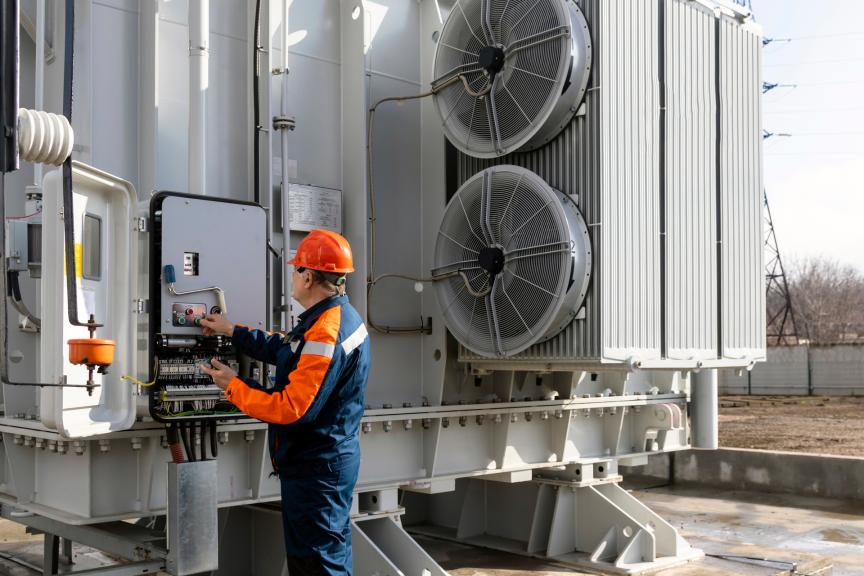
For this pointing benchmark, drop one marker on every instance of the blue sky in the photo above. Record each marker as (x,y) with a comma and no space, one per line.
(815,176)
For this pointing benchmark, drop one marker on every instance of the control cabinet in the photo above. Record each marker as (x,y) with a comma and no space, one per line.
(208,255)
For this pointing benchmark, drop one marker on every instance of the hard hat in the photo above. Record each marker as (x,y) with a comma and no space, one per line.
(325,251)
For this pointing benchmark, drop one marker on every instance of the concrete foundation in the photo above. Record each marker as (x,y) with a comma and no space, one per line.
(761,471)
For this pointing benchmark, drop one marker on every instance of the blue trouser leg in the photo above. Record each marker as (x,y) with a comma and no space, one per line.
(316,517)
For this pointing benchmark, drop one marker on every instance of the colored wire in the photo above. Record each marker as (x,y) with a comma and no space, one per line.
(140,383)
(137,382)
(372,279)
(24,217)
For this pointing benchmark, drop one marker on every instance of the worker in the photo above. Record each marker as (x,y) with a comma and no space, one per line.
(315,407)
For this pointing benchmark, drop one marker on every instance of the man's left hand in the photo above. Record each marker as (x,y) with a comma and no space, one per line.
(220,373)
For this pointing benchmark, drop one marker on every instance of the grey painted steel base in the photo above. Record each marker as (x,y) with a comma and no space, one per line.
(193,535)
(143,547)
(566,515)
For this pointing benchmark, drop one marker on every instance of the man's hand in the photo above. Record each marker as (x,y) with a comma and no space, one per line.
(220,373)
(213,324)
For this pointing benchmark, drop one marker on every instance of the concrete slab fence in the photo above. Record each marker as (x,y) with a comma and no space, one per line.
(800,371)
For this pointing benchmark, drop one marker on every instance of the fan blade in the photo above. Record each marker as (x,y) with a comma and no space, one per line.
(468,220)
(441,232)
(516,309)
(529,282)
(485,207)
(509,202)
(521,226)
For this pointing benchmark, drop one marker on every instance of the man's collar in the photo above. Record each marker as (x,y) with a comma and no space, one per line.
(324,304)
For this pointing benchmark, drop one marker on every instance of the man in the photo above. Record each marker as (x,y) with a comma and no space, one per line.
(314,410)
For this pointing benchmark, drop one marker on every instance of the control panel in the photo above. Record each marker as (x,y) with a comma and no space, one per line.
(194,271)
(185,314)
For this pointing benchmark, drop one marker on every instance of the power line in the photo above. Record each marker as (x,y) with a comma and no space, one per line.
(843,133)
(810,110)
(768,41)
(810,62)
(838,153)
(828,83)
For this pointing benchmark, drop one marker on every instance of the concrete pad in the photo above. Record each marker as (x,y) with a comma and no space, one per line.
(787,526)
(809,534)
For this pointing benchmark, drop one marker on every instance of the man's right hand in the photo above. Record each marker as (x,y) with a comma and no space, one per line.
(214,324)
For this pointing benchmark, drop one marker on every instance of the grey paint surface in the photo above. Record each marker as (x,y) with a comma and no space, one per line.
(742,262)
(234,258)
(691,182)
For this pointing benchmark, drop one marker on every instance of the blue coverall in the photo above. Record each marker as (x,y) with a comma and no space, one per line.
(314,413)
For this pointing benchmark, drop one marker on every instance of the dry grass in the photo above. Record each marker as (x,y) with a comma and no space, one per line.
(818,424)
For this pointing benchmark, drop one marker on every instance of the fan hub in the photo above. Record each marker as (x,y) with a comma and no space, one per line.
(491,59)
(491,259)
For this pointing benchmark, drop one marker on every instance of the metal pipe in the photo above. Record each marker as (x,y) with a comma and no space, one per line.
(256,107)
(148,38)
(704,402)
(199,57)
(287,271)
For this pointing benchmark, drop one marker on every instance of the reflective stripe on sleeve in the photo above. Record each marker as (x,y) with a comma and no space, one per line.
(354,340)
(318,349)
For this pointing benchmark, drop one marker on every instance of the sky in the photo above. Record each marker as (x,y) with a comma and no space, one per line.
(814,177)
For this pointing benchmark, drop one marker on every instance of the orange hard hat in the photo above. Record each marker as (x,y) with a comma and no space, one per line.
(325,251)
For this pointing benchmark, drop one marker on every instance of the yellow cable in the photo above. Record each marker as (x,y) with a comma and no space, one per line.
(141,383)
(138,382)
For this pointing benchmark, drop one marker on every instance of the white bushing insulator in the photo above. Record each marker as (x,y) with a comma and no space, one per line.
(43,137)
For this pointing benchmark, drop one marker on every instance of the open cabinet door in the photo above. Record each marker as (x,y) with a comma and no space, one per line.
(106,256)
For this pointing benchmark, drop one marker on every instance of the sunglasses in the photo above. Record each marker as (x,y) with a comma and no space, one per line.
(300,269)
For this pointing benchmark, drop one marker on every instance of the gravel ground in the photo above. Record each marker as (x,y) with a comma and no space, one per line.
(817,424)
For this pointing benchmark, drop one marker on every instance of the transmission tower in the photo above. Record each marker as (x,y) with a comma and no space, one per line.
(782,327)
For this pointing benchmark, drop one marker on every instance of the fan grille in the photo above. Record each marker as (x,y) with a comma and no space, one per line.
(499,308)
(535,39)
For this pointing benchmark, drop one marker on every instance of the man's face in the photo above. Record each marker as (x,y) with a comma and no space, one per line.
(301,283)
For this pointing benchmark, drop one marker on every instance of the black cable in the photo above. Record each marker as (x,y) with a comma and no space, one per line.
(256,111)
(187,446)
(9,85)
(202,433)
(10,291)
(214,441)
(69,220)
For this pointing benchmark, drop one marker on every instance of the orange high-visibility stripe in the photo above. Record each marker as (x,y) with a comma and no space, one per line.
(304,381)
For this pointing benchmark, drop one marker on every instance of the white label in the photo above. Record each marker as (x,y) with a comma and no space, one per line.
(312,207)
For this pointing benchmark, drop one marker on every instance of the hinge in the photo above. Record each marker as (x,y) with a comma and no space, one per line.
(140,306)
(140,224)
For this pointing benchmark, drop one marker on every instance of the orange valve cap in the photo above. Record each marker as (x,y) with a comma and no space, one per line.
(91,351)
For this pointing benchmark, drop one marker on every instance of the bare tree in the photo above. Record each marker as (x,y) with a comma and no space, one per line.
(828,298)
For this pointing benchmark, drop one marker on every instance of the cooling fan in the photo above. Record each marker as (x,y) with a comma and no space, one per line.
(517,260)
(510,74)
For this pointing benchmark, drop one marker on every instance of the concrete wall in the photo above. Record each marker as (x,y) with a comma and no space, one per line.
(819,475)
(801,370)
